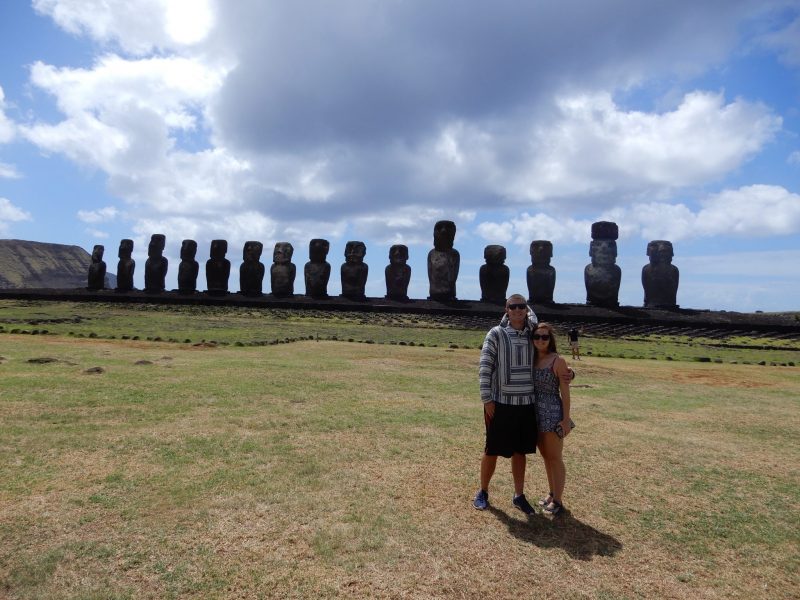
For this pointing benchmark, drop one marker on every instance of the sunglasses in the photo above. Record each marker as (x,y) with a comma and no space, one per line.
(516,306)
(542,336)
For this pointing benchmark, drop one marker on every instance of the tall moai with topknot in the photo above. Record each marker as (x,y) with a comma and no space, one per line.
(541,275)
(660,277)
(602,277)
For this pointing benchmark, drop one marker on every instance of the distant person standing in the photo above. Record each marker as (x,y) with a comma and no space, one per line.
(573,334)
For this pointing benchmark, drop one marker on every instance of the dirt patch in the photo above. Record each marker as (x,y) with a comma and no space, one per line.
(720,379)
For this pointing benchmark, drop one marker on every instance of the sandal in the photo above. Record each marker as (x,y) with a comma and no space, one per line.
(545,500)
(554,508)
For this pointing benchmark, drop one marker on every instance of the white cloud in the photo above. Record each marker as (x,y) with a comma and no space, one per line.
(9,171)
(497,232)
(97,234)
(138,27)
(122,115)
(280,119)
(107,213)
(7,128)
(794,158)
(11,213)
(752,211)
(761,264)
(786,42)
(755,210)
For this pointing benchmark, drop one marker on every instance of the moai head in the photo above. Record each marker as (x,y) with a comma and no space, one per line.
(125,248)
(251,252)
(494,254)
(398,254)
(97,253)
(603,248)
(660,252)
(188,249)
(354,252)
(318,250)
(282,253)
(219,248)
(156,247)
(541,252)
(444,234)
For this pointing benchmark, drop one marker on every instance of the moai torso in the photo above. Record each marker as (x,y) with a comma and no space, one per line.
(541,275)
(283,271)
(218,268)
(188,268)
(397,273)
(354,271)
(317,271)
(660,277)
(125,267)
(494,275)
(251,271)
(155,268)
(97,270)
(443,263)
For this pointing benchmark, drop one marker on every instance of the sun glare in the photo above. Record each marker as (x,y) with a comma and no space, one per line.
(188,21)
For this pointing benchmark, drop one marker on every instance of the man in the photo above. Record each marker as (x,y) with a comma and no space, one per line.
(506,388)
(573,343)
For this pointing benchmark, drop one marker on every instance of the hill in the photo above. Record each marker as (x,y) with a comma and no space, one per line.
(26,264)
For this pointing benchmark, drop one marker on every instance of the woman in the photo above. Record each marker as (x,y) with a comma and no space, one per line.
(551,377)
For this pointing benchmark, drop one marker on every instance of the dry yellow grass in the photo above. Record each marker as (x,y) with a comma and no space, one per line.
(322,469)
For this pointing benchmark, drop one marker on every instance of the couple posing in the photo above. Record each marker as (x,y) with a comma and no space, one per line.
(518,357)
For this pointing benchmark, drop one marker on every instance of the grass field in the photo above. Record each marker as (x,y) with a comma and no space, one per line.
(313,469)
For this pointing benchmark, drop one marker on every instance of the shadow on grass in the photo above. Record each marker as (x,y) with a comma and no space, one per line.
(579,540)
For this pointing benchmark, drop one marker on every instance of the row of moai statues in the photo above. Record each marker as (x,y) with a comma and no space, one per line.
(602,277)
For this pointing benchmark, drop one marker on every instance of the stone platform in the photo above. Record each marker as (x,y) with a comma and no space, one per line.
(623,318)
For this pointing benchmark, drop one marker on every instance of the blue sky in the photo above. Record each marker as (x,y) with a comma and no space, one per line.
(353,120)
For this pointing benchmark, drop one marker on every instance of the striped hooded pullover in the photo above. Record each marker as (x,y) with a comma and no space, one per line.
(505,373)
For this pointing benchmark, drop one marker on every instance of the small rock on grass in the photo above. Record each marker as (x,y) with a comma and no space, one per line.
(92,370)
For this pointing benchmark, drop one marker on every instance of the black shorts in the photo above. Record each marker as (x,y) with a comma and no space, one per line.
(512,430)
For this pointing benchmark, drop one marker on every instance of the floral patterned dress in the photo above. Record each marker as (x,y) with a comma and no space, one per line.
(549,410)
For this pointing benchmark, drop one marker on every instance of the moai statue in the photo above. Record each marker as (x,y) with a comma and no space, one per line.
(660,277)
(251,271)
(541,275)
(155,269)
(218,269)
(125,266)
(97,270)
(283,271)
(189,268)
(443,263)
(354,271)
(603,276)
(398,274)
(317,271)
(494,275)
